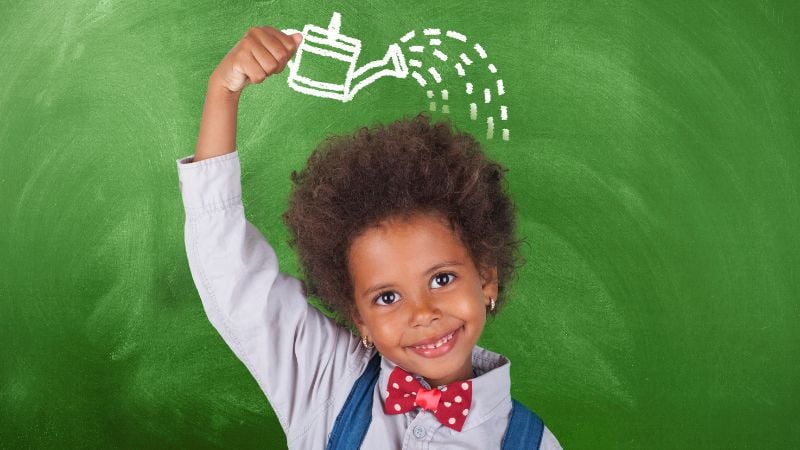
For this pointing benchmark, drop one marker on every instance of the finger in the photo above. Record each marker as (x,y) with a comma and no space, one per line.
(297,38)
(281,46)
(251,67)
(259,38)
(265,59)
(291,43)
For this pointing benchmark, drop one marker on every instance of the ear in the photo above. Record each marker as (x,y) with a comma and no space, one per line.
(358,322)
(489,283)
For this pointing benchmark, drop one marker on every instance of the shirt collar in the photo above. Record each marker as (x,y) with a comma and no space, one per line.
(491,388)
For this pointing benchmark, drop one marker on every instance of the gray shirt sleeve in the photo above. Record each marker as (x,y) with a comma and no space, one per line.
(294,352)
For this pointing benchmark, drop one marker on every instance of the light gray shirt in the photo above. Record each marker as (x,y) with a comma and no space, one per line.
(303,361)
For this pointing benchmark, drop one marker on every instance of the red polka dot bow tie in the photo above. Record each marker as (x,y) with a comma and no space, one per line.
(450,404)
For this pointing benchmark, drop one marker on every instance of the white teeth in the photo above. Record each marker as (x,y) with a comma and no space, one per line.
(437,344)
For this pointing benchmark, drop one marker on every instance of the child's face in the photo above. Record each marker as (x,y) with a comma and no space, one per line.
(419,296)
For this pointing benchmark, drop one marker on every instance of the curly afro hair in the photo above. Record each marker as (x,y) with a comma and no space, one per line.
(409,166)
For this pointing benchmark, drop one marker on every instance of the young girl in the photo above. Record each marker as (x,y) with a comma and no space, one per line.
(405,233)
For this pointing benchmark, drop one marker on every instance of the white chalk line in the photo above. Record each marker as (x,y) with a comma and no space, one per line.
(473,111)
(487,95)
(320,84)
(492,68)
(445,94)
(433,106)
(500,88)
(394,54)
(460,69)
(430,93)
(445,109)
(416,48)
(435,74)
(503,112)
(407,37)
(456,35)
(435,42)
(466,59)
(437,53)
(480,51)
(419,78)
(489,127)
(414,63)
(469,88)
(345,46)
(329,53)
(431,32)
(505,134)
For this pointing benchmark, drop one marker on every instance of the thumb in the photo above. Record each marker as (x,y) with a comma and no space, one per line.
(298,38)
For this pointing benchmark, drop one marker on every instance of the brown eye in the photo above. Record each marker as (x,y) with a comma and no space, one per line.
(387,298)
(441,280)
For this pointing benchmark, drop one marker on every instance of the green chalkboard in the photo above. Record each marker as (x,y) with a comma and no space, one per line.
(654,156)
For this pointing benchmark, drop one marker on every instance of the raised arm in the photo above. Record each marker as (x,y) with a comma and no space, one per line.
(263,51)
(295,353)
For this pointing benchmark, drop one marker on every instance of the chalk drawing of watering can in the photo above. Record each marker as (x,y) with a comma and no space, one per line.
(340,80)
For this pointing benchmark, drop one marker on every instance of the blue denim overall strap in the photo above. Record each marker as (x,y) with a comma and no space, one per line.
(524,430)
(353,420)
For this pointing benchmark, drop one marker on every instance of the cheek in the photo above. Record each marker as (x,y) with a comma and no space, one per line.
(469,305)
(385,329)
(476,295)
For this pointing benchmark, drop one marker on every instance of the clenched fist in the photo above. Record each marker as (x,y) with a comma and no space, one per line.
(262,52)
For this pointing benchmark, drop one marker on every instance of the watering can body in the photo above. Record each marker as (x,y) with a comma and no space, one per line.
(326,46)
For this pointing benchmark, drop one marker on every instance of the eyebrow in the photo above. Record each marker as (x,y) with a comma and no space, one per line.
(376,288)
(443,264)
(432,269)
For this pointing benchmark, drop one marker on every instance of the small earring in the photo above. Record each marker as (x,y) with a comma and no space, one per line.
(366,343)
(491,304)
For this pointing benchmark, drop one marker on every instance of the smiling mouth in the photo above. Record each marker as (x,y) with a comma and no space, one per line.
(436,344)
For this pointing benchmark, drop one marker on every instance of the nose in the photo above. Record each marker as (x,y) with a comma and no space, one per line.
(424,311)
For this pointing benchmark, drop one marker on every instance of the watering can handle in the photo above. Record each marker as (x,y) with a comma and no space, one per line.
(288,31)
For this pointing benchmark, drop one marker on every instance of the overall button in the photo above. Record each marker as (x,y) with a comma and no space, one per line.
(419,432)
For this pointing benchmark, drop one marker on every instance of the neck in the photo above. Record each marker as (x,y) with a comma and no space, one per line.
(464,373)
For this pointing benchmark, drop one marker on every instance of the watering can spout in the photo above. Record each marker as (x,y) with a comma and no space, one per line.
(391,65)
